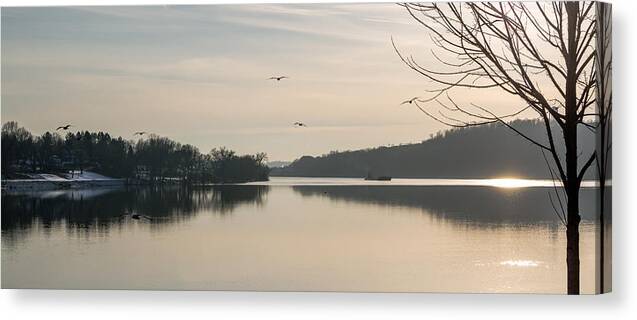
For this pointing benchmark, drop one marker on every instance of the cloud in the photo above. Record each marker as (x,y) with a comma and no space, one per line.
(198,74)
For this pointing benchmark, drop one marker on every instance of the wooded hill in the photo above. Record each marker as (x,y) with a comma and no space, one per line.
(476,152)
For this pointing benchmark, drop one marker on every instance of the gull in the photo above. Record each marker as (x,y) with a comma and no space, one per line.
(279,78)
(66,127)
(410,101)
(139,133)
(300,124)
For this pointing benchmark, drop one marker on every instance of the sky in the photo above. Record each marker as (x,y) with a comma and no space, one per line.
(198,74)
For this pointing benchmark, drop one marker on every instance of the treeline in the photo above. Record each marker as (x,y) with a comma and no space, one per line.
(152,159)
(475,152)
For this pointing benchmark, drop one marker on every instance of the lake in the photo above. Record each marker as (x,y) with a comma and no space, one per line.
(297,234)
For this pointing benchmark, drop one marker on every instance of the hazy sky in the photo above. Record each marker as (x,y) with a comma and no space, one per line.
(197,74)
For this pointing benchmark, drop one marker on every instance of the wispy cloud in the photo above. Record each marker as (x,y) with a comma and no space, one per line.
(198,73)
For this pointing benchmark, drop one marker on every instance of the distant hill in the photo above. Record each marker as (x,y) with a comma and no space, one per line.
(478,152)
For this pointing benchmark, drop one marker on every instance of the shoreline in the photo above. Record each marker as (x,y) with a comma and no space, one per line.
(59,183)
(62,184)
(69,184)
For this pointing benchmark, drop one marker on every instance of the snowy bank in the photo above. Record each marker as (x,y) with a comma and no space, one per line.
(71,180)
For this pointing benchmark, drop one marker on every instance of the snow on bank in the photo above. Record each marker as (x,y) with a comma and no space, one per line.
(86,176)
(50,177)
(71,180)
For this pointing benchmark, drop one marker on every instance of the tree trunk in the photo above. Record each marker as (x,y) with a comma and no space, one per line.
(570,140)
(573,216)
(572,241)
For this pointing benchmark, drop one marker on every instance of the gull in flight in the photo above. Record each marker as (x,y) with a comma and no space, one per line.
(139,133)
(300,124)
(66,127)
(410,101)
(278,78)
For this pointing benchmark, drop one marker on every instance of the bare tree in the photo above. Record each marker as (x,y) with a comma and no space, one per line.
(603,67)
(542,53)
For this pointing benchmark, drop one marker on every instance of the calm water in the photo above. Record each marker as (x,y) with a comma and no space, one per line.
(296,234)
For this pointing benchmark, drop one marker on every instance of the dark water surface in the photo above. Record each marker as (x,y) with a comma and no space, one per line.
(296,234)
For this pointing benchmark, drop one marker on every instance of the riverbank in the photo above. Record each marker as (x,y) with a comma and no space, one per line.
(88,180)
(71,180)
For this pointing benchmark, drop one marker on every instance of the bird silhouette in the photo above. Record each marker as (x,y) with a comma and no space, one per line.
(278,78)
(300,124)
(139,133)
(410,101)
(66,127)
(136,216)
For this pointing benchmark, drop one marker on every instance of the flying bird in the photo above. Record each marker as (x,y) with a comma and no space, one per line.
(66,127)
(139,133)
(278,78)
(300,124)
(410,101)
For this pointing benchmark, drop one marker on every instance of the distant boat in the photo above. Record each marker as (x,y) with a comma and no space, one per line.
(379,178)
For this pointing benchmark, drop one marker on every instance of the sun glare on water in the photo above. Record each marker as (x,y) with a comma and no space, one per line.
(520,263)
(509,183)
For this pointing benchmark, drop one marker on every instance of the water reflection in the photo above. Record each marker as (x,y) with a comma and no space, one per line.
(307,238)
(487,205)
(98,210)
(101,209)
